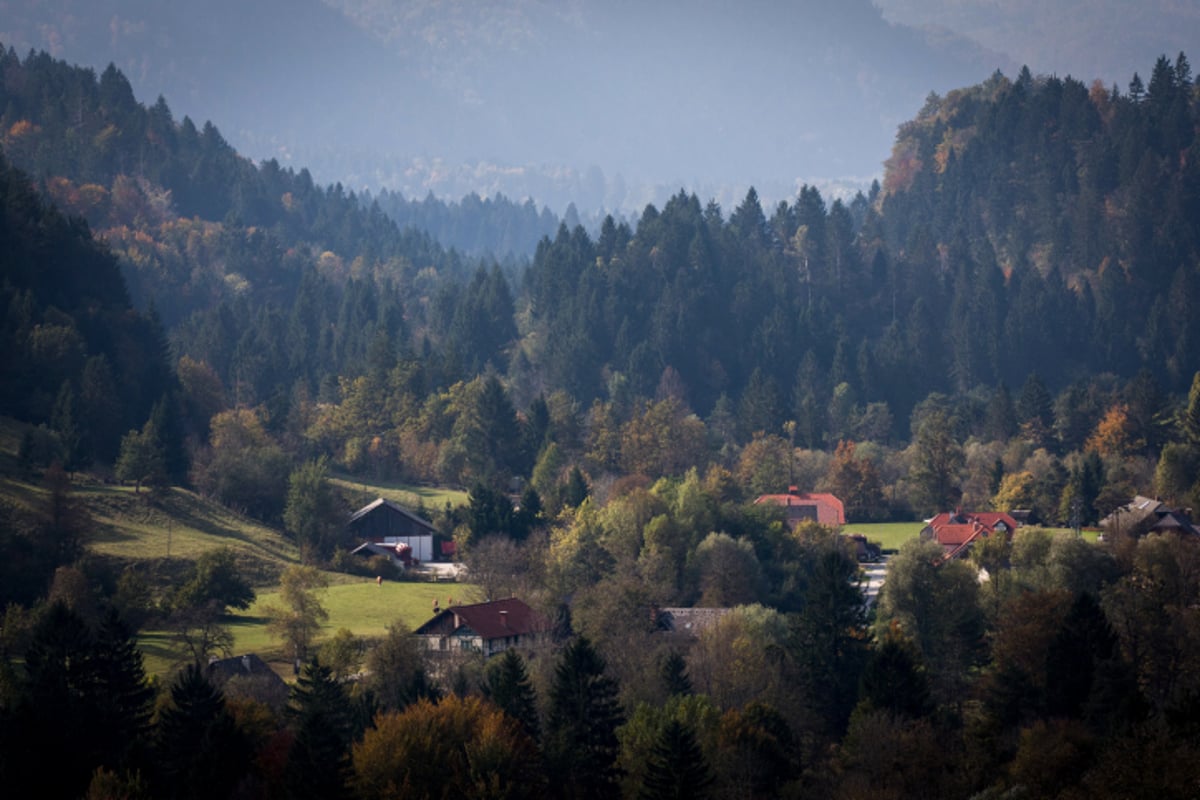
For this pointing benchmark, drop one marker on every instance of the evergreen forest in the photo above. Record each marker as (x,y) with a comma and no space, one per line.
(1003,322)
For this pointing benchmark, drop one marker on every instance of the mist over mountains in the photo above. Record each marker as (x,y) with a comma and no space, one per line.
(609,105)
(601,103)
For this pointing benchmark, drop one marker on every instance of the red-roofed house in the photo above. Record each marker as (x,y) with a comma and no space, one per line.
(804,506)
(487,628)
(957,531)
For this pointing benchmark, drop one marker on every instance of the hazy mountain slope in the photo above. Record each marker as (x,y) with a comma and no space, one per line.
(1109,39)
(533,98)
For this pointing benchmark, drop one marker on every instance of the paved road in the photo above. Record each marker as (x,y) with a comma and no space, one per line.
(875,574)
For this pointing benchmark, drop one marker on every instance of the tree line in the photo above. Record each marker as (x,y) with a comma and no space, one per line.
(986,334)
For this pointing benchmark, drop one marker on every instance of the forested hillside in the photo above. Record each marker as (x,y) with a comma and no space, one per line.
(1027,265)
(1005,323)
(77,356)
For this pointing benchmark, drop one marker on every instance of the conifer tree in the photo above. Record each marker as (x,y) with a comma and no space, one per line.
(318,764)
(678,770)
(581,729)
(100,409)
(167,424)
(201,751)
(65,422)
(59,712)
(894,678)
(674,675)
(123,696)
(576,489)
(509,688)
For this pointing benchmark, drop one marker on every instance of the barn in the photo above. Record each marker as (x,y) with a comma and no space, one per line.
(385,522)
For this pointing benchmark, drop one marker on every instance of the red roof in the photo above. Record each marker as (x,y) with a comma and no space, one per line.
(820,507)
(988,519)
(955,531)
(957,534)
(493,620)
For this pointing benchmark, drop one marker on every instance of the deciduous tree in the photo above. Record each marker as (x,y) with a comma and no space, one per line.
(313,514)
(460,747)
(298,616)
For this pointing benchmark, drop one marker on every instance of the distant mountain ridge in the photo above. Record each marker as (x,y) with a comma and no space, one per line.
(592,103)
(1105,39)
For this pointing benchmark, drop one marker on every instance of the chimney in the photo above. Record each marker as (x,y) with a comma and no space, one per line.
(794,491)
(504,617)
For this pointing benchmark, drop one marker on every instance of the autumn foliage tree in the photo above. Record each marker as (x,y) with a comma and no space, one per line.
(1114,434)
(460,747)
(856,482)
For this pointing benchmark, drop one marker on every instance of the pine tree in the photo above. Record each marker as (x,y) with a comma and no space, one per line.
(60,712)
(678,770)
(576,489)
(673,673)
(318,764)
(124,697)
(100,409)
(830,633)
(1035,409)
(65,422)
(581,729)
(1074,657)
(508,686)
(201,751)
(167,424)
(894,679)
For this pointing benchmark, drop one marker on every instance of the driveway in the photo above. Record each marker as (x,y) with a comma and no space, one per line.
(875,574)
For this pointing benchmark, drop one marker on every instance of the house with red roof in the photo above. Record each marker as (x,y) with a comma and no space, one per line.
(807,506)
(956,531)
(487,628)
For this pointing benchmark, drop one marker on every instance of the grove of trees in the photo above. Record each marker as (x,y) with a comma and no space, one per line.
(1004,322)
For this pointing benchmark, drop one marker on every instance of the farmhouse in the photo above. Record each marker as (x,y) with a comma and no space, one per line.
(805,506)
(957,531)
(1144,515)
(487,628)
(383,522)
(248,676)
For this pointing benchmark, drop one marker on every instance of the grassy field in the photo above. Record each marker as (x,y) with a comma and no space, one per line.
(893,534)
(162,533)
(889,534)
(181,525)
(357,604)
(363,607)
(361,493)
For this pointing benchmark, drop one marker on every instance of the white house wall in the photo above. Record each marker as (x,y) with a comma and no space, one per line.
(422,546)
